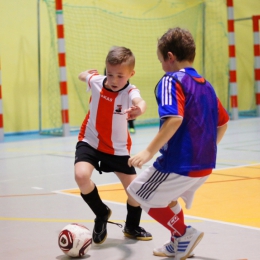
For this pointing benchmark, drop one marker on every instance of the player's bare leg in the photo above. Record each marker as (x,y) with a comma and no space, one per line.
(89,193)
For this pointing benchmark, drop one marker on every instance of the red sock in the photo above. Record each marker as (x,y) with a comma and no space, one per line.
(181,219)
(177,210)
(181,215)
(168,219)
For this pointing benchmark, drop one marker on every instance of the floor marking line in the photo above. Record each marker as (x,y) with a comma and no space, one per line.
(78,192)
(24,156)
(189,216)
(24,195)
(223,222)
(78,220)
(230,175)
(58,155)
(246,179)
(111,190)
(238,166)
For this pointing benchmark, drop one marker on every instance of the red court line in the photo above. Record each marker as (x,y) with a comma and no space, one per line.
(246,179)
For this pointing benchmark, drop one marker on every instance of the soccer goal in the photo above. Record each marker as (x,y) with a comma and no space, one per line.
(92,27)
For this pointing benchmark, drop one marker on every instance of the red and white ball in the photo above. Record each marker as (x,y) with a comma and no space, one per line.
(75,240)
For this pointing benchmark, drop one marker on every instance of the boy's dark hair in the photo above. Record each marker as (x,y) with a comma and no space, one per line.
(179,42)
(118,55)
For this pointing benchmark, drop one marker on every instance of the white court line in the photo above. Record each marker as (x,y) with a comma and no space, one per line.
(37,188)
(69,194)
(189,216)
(223,222)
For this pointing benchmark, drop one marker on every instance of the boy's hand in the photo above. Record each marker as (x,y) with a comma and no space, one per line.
(133,112)
(140,159)
(83,75)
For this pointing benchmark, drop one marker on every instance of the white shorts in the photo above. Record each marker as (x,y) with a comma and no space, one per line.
(153,189)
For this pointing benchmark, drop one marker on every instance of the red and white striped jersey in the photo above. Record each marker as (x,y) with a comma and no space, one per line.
(105,126)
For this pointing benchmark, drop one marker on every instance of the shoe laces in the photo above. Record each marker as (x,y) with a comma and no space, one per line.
(115,223)
(102,220)
(140,229)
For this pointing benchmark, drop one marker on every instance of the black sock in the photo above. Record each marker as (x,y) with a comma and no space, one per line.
(95,203)
(133,216)
(131,124)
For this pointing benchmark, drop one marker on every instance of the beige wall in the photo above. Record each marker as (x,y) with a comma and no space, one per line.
(19,58)
(18,51)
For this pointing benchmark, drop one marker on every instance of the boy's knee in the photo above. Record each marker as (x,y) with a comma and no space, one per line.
(81,176)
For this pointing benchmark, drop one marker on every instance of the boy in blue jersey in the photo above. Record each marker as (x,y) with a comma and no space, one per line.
(192,123)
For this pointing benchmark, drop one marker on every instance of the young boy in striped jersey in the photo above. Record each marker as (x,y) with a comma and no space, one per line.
(104,142)
(192,123)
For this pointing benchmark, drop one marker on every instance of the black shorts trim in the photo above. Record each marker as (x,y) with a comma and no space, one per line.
(102,162)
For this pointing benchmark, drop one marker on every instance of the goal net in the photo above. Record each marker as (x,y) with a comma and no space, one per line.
(91,28)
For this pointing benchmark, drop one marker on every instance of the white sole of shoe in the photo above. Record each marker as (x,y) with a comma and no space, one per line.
(163,254)
(192,248)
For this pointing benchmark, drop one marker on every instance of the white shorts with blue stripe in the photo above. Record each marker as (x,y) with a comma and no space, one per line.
(154,189)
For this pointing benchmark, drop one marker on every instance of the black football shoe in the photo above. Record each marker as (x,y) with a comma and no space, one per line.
(99,234)
(138,233)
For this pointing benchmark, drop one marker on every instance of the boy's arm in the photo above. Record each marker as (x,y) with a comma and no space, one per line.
(220,132)
(83,75)
(138,108)
(168,129)
(223,119)
(139,102)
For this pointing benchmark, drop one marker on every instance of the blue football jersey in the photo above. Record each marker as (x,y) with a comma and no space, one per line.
(193,147)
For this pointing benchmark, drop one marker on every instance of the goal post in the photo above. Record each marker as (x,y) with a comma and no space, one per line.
(232,60)
(256,34)
(62,68)
(1,109)
(91,28)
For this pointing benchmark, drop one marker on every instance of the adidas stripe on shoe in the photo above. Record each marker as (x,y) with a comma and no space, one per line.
(187,243)
(168,249)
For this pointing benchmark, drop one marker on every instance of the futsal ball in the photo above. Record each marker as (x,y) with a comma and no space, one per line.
(75,240)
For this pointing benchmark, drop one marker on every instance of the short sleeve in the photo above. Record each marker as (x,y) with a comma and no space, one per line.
(170,98)
(134,93)
(89,78)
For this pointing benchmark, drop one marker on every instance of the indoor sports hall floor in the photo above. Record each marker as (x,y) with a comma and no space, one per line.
(38,197)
